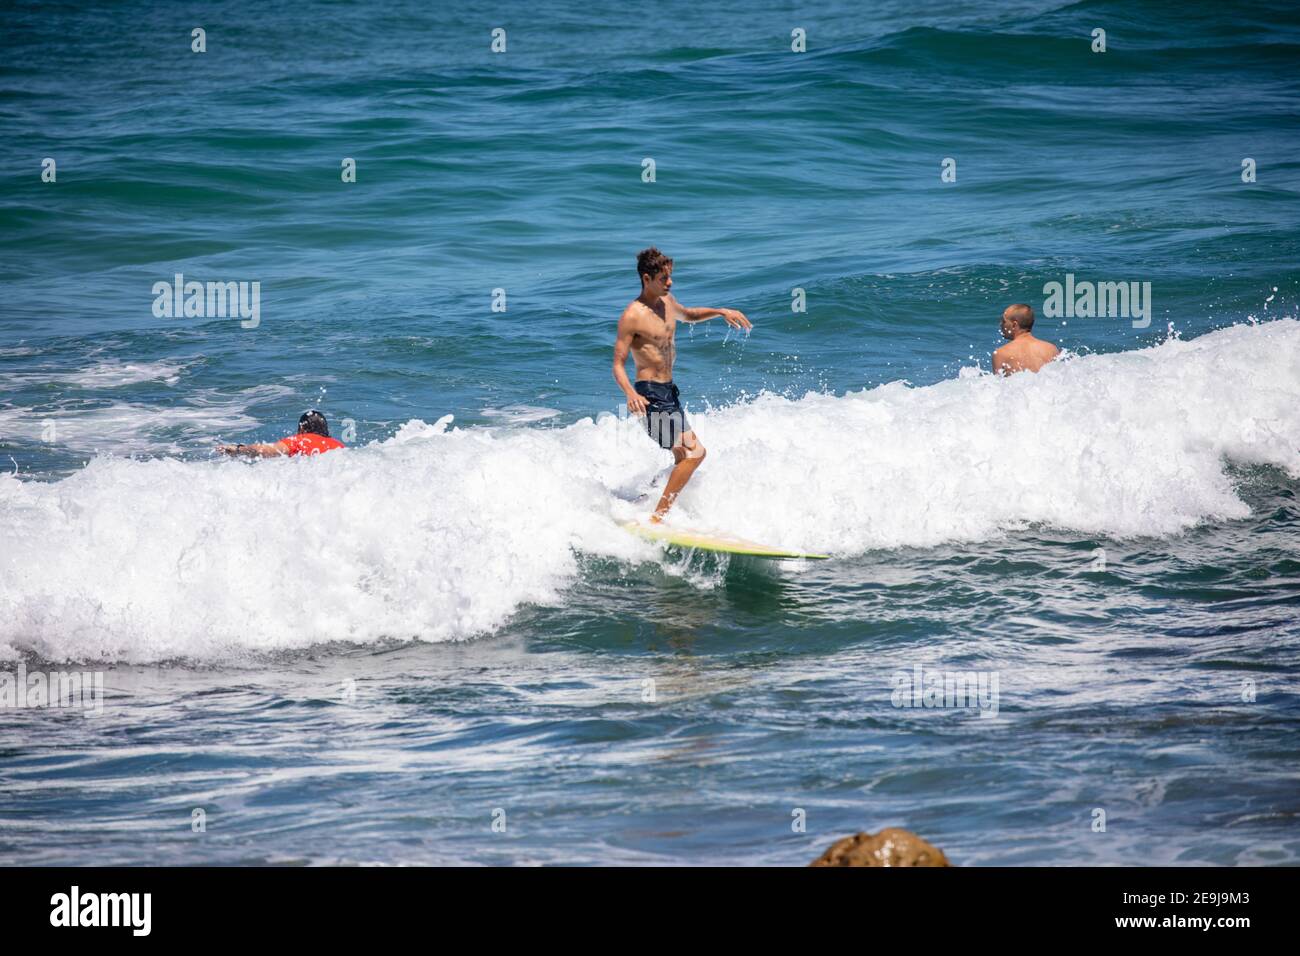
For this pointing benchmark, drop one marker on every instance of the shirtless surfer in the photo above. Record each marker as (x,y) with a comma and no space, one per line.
(1023,352)
(648,330)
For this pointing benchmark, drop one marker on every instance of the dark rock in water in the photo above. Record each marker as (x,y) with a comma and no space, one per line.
(892,846)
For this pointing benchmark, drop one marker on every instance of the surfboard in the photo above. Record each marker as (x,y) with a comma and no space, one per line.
(707,541)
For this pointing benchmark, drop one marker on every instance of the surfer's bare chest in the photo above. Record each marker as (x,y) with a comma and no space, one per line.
(655,336)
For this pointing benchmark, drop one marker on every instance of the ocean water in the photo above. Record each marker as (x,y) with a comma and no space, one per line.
(438,646)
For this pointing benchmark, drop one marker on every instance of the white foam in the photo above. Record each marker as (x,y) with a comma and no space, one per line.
(116,374)
(111,374)
(520,414)
(136,428)
(442,533)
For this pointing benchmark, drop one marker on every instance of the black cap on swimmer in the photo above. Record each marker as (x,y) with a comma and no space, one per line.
(314,422)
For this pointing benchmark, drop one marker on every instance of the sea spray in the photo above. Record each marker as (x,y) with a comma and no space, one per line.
(443,533)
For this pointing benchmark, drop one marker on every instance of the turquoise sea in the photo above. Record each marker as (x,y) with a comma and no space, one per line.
(438,646)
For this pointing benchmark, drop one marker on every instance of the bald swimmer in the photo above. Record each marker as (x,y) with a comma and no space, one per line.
(1023,353)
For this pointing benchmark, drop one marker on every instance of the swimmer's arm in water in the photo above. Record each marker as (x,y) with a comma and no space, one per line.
(256,450)
(636,404)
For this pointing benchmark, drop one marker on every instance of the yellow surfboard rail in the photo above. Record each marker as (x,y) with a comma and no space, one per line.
(705,541)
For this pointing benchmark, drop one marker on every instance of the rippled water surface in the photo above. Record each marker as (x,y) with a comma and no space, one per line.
(373,656)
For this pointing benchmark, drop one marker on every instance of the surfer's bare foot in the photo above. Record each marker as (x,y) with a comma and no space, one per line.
(656,518)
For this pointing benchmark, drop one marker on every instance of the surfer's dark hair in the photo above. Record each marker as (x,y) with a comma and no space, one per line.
(1022,315)
(650,262)
(314,422)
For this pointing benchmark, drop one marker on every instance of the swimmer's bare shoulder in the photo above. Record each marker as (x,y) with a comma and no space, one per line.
(1038,354)
(1003,361)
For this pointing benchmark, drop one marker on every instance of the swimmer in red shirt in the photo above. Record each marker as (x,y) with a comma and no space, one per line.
(313,438)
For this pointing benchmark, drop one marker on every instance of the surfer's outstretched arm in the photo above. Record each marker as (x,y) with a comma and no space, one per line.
(733,317)
(254,450)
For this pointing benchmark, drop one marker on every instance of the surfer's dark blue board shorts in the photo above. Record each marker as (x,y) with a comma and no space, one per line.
(665,419)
